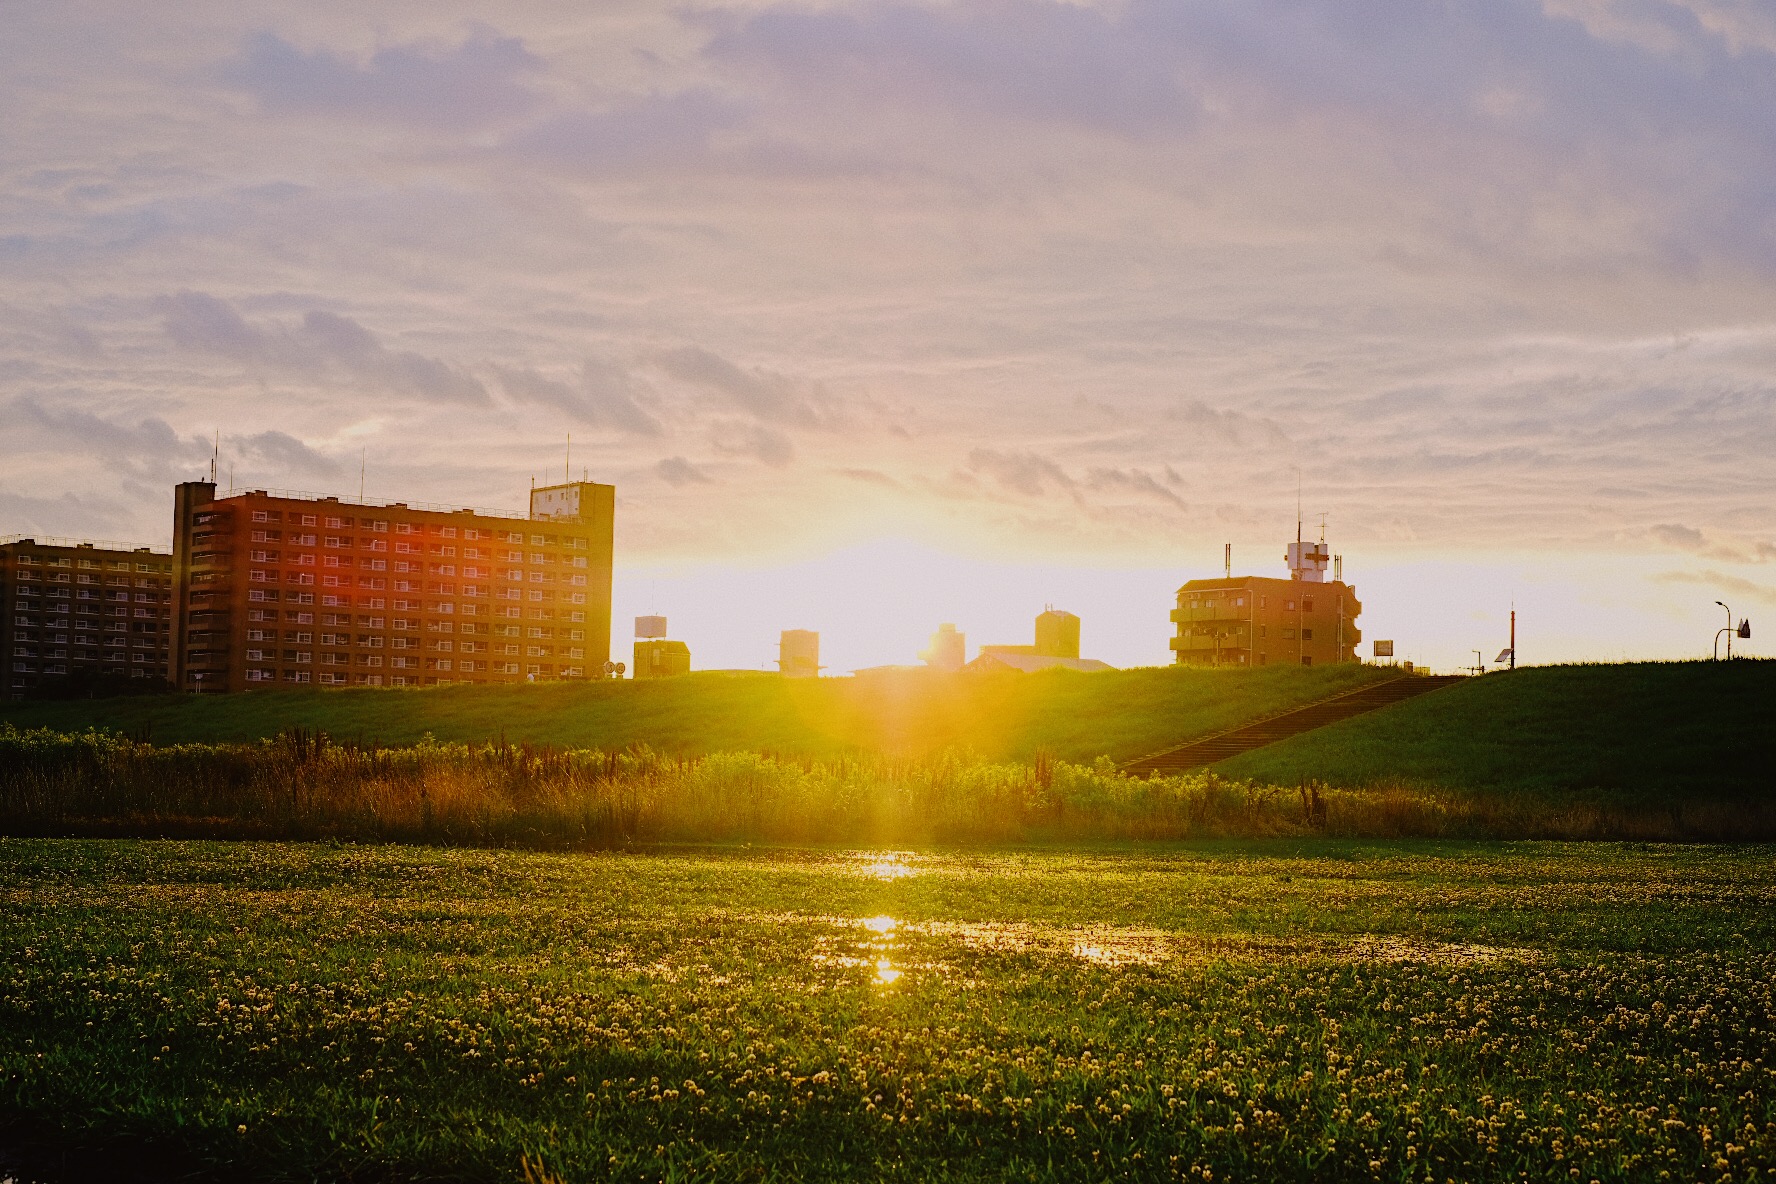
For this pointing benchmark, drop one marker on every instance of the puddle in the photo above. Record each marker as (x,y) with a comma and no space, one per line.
(885,865)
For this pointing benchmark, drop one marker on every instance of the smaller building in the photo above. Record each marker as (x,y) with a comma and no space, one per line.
(1057,644)
(948,650)
(80,615)
(991,660)
(798,653)
(658,658)
(1057,634)
(1305,620)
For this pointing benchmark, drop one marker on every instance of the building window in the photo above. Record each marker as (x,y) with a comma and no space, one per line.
(1307,635)
(1307,606)
(1306,660)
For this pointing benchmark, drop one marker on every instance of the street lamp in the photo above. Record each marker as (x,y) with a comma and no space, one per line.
(1744,630)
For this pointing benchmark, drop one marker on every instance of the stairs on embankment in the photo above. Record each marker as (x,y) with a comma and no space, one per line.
(1293,722)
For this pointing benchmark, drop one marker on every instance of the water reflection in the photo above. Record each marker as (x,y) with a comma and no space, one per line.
(892,866)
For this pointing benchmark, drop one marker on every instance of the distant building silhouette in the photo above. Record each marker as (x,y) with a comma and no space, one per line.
(798,653)
(1057,644)
(82,611)
(948,649)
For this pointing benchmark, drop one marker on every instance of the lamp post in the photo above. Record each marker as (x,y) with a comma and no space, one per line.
(1728,631)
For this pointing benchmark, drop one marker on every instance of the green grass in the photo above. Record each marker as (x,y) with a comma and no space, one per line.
(1284,1011)
(1123,714)
(1636,734)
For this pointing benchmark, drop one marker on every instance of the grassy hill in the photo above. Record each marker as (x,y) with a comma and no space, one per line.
(1640,732)
(1122,714)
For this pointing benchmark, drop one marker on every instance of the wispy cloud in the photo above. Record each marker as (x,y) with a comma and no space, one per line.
(483,79)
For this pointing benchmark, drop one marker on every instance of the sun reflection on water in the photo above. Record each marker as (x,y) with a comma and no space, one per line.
(886,865)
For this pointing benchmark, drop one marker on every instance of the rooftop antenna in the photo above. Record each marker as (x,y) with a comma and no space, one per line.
(567,460)
(1322,526)
(1298,504)
(230,476)
(1227,559)
(215,451)
(363,462)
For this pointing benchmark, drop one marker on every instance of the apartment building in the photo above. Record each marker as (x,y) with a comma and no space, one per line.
(278,589)
(83,612)
(1305,620)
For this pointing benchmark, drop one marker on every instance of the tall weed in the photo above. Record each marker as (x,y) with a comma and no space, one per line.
(301,785)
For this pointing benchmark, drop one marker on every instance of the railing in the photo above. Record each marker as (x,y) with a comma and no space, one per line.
(302,495)
(51,540)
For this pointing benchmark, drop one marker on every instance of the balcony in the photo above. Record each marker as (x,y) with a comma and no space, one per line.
(1180,616)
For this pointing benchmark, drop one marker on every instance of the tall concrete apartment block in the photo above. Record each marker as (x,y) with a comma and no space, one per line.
(1305,620)
(70,608)
(276,589)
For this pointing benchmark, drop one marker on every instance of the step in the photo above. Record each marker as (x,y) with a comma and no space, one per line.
(1256,734)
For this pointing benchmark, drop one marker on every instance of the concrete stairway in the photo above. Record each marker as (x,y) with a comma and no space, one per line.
(1293,722)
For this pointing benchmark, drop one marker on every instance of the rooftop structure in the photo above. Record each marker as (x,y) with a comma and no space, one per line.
(273,588)
(74,612)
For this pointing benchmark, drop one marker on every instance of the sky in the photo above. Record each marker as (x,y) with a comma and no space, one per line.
(883,314)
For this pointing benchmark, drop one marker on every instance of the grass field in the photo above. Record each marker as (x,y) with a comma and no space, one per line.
(1295,1011)
(1122,714)
(1636,733)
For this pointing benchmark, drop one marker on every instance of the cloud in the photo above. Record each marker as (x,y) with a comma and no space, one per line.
(1209,425)
(1684,538)
(767,396)
(68,515)
(766,445)
(676,470)
(1022,472)
(870,477)
(1721,583)
(205,323)
(1053,62)
(284,452)
(476,82)
(1131,481)
(645,132)
(199,321)
(362,355)
(605,396)
(150,449)
(148,439)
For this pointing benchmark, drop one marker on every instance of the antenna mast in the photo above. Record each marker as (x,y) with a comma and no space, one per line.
(567,460)
(215,452)
(363,462)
